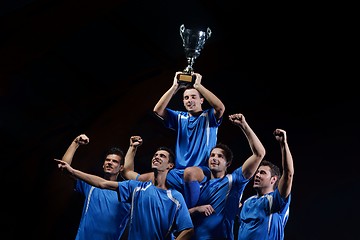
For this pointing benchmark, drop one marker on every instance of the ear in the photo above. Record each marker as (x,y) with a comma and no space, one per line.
(170,165)
(273,180)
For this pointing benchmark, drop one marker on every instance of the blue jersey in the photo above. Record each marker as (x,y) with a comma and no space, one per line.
(223,194)
(264,217)
(103,216)
(196,136)
(155,213)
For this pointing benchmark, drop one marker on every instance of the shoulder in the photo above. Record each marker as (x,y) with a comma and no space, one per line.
(130,183)
(145,177)
(237,174)
(176,194)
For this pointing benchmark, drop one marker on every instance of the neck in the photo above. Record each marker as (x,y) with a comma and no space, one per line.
(217,174)
(111,177)
(195,113)
(160,179)
(263,191)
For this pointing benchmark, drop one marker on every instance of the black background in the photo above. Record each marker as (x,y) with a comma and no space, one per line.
(99,67)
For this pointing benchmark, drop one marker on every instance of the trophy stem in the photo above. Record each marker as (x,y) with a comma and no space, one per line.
(189,68)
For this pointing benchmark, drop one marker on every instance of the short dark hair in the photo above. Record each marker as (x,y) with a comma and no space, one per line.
(274,170)
(116,151)
(170,151)
(192,87)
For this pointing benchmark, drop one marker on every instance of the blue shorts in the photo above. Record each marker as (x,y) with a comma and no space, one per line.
(175,178)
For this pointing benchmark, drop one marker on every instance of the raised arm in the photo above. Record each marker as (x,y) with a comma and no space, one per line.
(285,182)
(69,154)
(251,164)
(128,172)
(210,97)
(89,178)
(160,106)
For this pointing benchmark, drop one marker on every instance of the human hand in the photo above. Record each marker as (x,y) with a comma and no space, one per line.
(197,82)
(136,141)
(82,139)
(62,165)
(237,119)
(206,210)
(176,83)
(280,135)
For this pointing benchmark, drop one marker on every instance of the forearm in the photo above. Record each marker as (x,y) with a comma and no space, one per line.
(255,144)
(258,153)
(288,164)
(285,183)
(129,158)
(69,154)
(212,99)
(129,165)
(192,210)
(94,180)
(160,106)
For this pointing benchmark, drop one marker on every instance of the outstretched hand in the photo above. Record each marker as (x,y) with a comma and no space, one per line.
(62,165)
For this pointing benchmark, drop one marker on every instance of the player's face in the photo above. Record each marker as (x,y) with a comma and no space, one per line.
(192,100)
(217,161)
(160,161)
(262,178)
(112,164)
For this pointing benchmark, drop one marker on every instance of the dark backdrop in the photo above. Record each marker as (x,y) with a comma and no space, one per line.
(99,67)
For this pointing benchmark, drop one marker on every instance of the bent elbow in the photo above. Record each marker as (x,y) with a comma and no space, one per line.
(221,110)
(261,153)
(159,114)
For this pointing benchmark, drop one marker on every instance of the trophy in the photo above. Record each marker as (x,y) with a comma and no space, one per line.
(193,42)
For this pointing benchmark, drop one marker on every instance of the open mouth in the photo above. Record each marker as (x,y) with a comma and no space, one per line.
(156,162)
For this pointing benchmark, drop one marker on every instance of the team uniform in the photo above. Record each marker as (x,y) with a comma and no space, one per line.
(196,136)
(264,217)
(155,213)
(223,194)
(103,216)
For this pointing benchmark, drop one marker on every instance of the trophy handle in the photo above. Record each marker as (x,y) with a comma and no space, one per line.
(182,30)
(208,33)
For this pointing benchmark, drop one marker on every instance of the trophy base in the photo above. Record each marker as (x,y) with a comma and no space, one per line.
(186,79)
